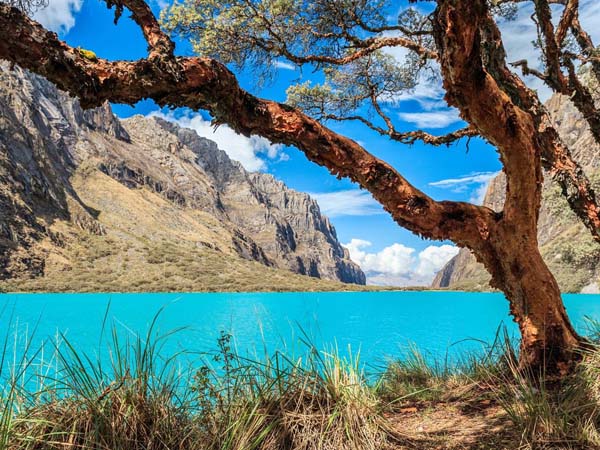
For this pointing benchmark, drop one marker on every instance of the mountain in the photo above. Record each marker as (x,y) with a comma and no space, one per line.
(92,202)
(566,245)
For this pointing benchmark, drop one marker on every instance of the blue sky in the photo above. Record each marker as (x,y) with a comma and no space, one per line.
(387,252)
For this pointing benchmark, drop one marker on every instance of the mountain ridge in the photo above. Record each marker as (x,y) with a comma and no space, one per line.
(58,169)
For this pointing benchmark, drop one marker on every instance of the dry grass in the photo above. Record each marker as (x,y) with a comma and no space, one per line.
(559,415)
(318,400)
(144,401)
(103,264)
(490,404)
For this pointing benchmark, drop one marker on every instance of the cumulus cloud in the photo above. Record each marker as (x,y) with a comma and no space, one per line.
(351,202)
(475,183)
(59,15)
(399,265)
(433,258)
(250,152)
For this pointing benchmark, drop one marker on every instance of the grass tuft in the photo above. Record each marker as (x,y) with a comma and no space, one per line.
(142,400)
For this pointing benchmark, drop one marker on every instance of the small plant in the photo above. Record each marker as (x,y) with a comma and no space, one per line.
(319,400)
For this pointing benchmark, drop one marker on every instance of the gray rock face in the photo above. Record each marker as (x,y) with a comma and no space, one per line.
(567,247)
(45,137)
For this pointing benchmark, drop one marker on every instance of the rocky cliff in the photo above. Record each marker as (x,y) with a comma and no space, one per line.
(567,247)
(84,195)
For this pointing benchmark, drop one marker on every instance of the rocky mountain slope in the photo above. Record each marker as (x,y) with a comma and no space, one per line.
(91,202)
(567,247)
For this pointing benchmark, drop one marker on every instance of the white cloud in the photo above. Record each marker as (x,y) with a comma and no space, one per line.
(59,15)
(284,65)
(399,265)
(428,93)
(249,151)
(433,258)
(162,4)
(478,194)
(477,177)
(433,119)
(352,202)
(475,183)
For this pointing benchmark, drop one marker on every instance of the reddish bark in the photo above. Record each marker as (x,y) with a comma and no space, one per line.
(511,117)
(201,83)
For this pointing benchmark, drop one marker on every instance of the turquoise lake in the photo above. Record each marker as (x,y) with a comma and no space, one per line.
(381,325)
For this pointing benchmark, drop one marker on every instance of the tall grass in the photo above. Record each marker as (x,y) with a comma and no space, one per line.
(133,402)
(561,414)
(319,400)
(417,377)
(131,396)
(141,399)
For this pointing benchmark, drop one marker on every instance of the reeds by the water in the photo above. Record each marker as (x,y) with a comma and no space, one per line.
(140,398)
(144,400)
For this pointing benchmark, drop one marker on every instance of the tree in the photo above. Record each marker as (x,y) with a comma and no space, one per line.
(28,6)
(346,39)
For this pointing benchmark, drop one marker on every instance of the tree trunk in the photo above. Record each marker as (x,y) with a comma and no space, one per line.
(549,343)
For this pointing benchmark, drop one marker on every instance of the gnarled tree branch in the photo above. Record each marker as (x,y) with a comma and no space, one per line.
(510,115)
(554,78)
(159,44)
(202,83)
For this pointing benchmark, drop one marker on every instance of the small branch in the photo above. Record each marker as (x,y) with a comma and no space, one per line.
(566,21)
(551,49)
(584,40)
(159,44)
(365,48)
(413,136)
(526,70)
(410,137)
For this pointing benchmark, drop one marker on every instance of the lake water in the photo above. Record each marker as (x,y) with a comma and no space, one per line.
(381,325)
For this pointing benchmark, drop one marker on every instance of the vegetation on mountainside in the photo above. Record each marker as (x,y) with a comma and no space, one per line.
(100,264)
(573,255)
(150,245)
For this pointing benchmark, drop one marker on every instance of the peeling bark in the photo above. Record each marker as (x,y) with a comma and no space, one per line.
(511,117)
(549,344)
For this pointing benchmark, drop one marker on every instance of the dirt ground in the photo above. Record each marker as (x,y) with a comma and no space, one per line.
(481,425)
